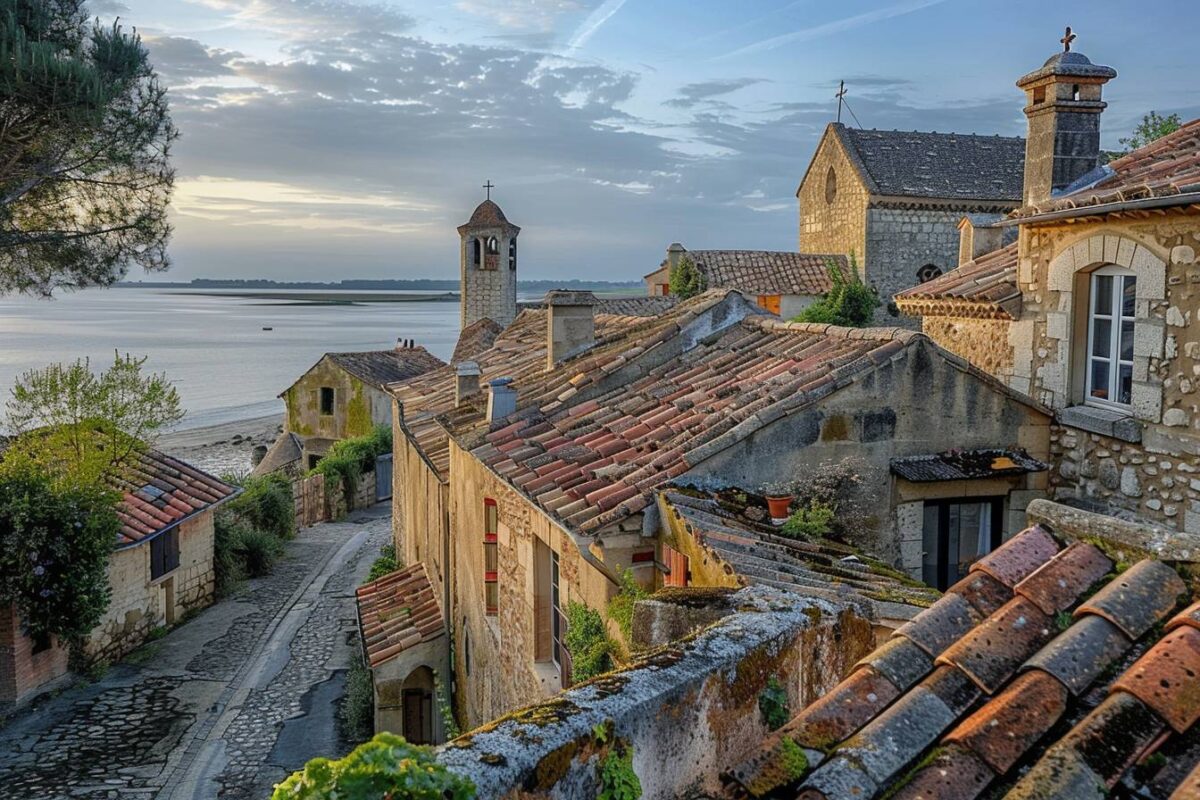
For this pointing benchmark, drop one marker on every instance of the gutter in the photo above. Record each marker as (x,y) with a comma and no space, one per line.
(1187,196)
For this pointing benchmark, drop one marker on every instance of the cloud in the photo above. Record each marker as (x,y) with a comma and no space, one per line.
(528,15)
(180,59)
(836,26)
(106,7)
(304,19)
(692,94)
(593,23)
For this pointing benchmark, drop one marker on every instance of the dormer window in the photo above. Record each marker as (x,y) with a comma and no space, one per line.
(1110,337)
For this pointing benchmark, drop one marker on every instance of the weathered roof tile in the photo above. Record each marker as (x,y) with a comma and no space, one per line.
(1166,678)
(955,773)
(1010,723)
(1079,655)
(1137,598)
(993,651)
(1056,585)
(940,625)
(900,661)
(1020,556)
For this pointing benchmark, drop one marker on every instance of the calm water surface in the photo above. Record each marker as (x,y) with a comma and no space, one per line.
(214,348)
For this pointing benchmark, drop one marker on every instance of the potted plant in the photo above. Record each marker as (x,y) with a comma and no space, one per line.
(779,499)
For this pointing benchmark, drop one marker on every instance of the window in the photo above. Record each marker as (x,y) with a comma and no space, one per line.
(1039,95)
(512,253)
(558,623)
(164,553)
(478,251)
(493,245)
(41,643)
(1110,337)
(466,648)
(313,460)
(956,534)
(491,588)
(1075,92)
(677,566)
(830,185)
(327,401)
(928,273)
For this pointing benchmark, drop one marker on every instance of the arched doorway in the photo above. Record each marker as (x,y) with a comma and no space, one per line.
(417,700)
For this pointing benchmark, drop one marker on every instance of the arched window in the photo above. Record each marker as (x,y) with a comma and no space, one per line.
(478,251)
(928,273)
(491,566)
(512,253)
(830,185)
(1111,304)
(493,246)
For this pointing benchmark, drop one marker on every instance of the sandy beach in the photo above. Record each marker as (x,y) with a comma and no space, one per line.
(222,448)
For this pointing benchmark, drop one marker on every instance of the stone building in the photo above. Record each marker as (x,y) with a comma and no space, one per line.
(1093,310)
(781,282)
(160,569)
(342,396)
(488,266)
(895,199)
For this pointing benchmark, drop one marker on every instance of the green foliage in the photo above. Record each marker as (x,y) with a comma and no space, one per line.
(348,459)
(686,279)
(356,713)
(449,723)
(810,522)
(385,767)
(773,703)
(85,138)
(55,541)
(82,426)
(620,608)
(792,759)
(266,503)
(617,779)
(385,564)
(587,641)
(241,551)
(849,302)
(839,485)
(1151,127)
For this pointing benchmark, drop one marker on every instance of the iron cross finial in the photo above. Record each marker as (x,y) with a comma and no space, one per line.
(489,186)
(1067,39)
(841,98)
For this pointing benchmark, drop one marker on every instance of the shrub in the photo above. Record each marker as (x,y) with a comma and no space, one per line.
(266,503)
(587,641)
(356,714)
(839,485)
(849,302)
(618,781)
(385,767)
(348,459)
(686,279)
(620,608)
(258,550)
(385,564)
(227,564)
(809,522)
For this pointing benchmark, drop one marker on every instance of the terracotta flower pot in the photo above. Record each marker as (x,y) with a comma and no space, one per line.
(778,506)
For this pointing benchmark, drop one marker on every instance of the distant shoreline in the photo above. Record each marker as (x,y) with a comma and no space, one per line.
(331,297)
(421,285)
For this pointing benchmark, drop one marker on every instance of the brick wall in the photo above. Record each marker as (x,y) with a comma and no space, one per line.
(23,672)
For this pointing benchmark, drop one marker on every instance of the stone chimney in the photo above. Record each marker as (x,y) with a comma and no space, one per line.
(675,255)
(570,324)
(466,381)
(1063,105)
(976,240)
(502,399)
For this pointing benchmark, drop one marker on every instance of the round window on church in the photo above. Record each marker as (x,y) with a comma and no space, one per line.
(928,273)
(830,185)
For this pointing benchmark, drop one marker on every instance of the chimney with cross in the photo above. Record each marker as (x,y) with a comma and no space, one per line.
(1063,106)
(488,261)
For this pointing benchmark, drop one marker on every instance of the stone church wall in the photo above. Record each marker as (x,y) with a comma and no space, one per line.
(833,221)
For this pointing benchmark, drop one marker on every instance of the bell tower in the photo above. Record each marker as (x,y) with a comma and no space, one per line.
(488,261)
(1063,105)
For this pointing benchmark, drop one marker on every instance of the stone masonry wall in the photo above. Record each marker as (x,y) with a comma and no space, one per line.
(983,342)
(488,293)
(419,501)
(23,672)
(357,407)
(838,227)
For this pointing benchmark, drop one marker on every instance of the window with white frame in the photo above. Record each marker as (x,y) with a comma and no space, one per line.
(1110,337)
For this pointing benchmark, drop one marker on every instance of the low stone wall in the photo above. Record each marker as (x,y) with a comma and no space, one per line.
(686,711)
(1144,539)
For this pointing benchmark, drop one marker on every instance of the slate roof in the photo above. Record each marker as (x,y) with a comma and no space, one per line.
(1004,688)
(638,306)
(766,272)
(381,367)
(1165,168)
(983,288)
(159,492)
(825,569)
(396,612)
(952,166)
(475,338)
(599,461)
(959,465)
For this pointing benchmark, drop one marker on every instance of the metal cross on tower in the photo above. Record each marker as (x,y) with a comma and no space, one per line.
(841,95)
(489,186)
(1066,40)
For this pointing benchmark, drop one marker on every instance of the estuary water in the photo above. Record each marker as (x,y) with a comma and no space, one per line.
(213,345)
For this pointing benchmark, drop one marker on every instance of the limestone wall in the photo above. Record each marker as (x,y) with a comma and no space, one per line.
(832,222)
(489,289)
(983,342)
(357,407)
(685,713)
(419,511)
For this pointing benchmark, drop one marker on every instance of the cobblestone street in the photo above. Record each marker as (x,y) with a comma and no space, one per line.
(211,709)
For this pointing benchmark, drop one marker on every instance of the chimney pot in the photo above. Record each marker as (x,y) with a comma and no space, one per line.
(570,324)
(466,381)
(502,399)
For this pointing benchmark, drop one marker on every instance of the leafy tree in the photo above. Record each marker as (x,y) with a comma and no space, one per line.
(85,137)
(1151,127)
(686,279)
(82,426)
(849,302)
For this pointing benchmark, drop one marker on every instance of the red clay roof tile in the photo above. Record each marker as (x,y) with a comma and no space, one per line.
(993,651)
(983,592)
(1167,678)
(158,492)
(1189,789)
(396,612)
(983,288)
(1019,557)
(1056,585)
(1080,654)
(941,625)
(900,661)
(1137,598)
(954,774)
(1010,723)
(1112,736)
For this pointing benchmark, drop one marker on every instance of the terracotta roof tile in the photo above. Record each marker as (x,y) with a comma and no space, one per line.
(1137,598)
(1166,678)
(1079,655)
(1189,789)
(767,272)
(983,288)
(983,592)
(1189,616)
(159,492)
(993,651)
(941,625)
(1019,557)
(1060,774)
(1056,585)
(840,777)
(396,612)
(900,661)
(954,774)
(1007,725)
(475,338)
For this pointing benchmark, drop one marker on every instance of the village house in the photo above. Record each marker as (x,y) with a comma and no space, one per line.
(342,396)
(1094,309)
(161,568)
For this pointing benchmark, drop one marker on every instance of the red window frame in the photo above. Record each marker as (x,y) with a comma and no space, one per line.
(491,586)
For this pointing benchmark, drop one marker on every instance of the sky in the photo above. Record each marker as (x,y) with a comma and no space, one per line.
(330,139)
